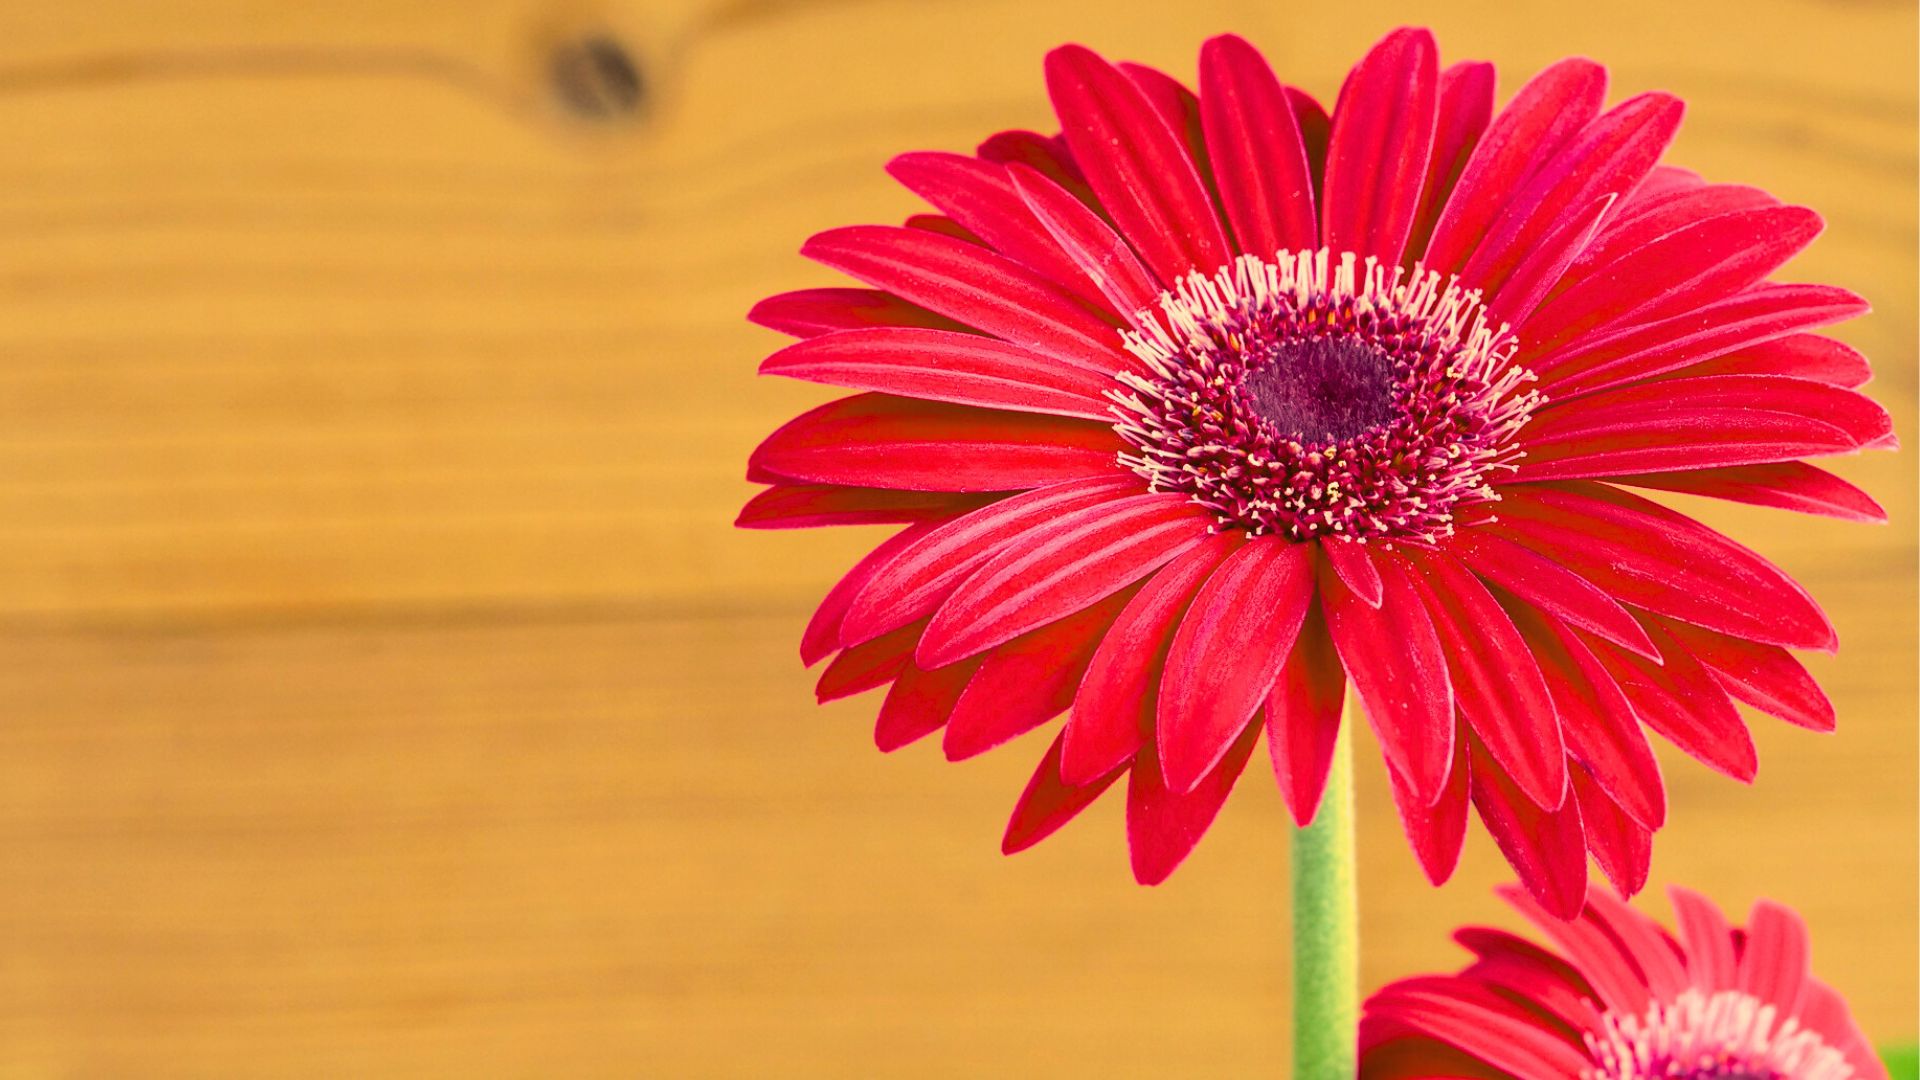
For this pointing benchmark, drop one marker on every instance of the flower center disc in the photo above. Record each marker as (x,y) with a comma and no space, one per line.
(1323,390)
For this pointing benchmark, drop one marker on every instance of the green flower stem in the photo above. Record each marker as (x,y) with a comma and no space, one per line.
(1326,930)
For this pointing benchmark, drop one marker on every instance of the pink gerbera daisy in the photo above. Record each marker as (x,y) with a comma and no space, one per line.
(1621,999)
(1210,405)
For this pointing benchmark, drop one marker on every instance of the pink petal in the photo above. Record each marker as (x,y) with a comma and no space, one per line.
(919,703)
(1547,848)
(1801,356)
(1049,802)
(1254,142)
(1622,846)
(1787,485)
(1303,718)
(1643,941)
(1179,108)
(812,312)
(1354,567)
(1393,656)
(1383,129)
(945,226)
(1058,568)
(1537,271)
(1046,154)
(976,287)
(1766,677)
(1682,701)
(1654,210)
(939,365)
(1541,120)
(1436,827)
(1164,825)
(869,664)
(1711,962)
(1027,681)
(806,506)
(1774,966)
(1466,105)
(924,571)
(1597,954)
(1137,164)
(1480,1022)
(1497,686)
(822,635)
(1227,653)
(1545,584)
(1113,714)
(1091,243)
(1316,127)
(874,440)
(1646,555)
(979,196)
(1596,719)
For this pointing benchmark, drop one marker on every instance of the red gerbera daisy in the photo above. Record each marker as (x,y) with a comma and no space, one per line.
(1210,405)
(1621,999)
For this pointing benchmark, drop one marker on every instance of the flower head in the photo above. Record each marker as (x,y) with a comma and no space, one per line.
(1213,405)
(1622,999)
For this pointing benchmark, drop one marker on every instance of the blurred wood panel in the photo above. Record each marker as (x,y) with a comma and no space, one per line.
(387,694)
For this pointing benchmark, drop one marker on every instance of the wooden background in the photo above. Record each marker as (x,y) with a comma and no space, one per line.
(383,692)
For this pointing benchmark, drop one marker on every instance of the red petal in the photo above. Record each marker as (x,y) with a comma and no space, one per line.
(1164,825)
(1655,210)
(1801,356)
(919,703)
(1383,128)
(1466,105)
(1681,700)
(1766,677)
(1027,681)
(822,635)
(1463,1014)
(1254,142)
(1545,584)
(1774,964)
(1622,846)
(1788,485)
(1497,686)
(1354,567)
(1059,568)
(869,664)
(1643,941)
(1091,243)
(1436,827)
(924,571)
(1393,656)
(1711,962)
(1113,713)
(1048,803)
(1179,108)
(1227,653)
(975,286)
(1046,154)
(945,226)
(1597,954)
(806,506)
(812,312)
(1546,115)
(1646,555)
(1545,847)
(1536,272)
(1136,163)
(1303,718)
(979,196)
(1315,129)
(875,440)
(1596,718)
(939,365)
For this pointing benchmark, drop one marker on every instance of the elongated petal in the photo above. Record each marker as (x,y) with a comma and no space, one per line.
(1050,802)
(1598,955)
(1497,686)
(923,572)
(1353,565)
(976,287)
(1774,964)
(1393,656)
(1179,108)
(1712,963)
(1227,653)
(1466,106)
(1766,677)
(1622,846)
(1303,718)
(1059,568)
(1491,1028)
(919,703)
(1436,827)
(1546,115)
(1027,681)
(1642,941)
(1382,138)
(1549,586)
(1654,558)
(1534,275)
(822,635)
(1090,242)
(1254,142)
(1684,703)
(1046,154)
(1800,356)
(1164,825)
(876,440)
(1655,210)
(1547,848)
(1136,163)
(812,312)
(1787,485)
(939,365)
(869,664)
(945,226)
(1316,127)
(1113,713)
(806,506)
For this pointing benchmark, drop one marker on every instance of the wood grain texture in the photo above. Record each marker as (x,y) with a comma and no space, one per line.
(387,695)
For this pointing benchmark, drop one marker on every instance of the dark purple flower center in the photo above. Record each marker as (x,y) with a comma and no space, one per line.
(1323,390)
